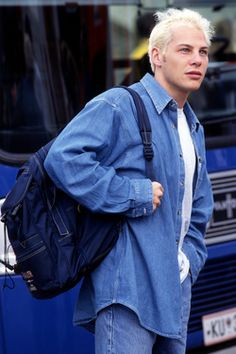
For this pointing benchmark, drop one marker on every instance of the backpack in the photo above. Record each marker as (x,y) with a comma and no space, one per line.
(56,241)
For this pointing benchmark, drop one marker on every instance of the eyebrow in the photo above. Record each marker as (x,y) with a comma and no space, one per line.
(190,46)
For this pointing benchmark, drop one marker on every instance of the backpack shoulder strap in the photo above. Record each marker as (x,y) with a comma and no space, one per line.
(145,130)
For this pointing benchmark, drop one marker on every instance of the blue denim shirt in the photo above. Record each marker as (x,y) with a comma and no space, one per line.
(98,159)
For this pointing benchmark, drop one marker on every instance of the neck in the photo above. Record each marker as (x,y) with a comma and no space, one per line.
(179,96)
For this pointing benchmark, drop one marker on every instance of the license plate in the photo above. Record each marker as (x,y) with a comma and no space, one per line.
(219,326)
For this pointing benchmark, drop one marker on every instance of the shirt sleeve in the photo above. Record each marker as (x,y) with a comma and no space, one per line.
(78,163)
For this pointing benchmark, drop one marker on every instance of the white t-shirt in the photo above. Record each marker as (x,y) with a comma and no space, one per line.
(189,158)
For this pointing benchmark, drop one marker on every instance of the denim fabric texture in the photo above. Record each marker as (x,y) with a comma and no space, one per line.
(98,159)
(117,331)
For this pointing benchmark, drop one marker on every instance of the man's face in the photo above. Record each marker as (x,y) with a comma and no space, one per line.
(181,68)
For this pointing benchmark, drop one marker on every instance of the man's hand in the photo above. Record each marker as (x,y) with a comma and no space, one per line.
(158,192)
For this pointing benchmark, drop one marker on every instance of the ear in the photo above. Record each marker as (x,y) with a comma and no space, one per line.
(156,57)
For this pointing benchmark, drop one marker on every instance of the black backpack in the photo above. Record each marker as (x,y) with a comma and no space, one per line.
(55,241)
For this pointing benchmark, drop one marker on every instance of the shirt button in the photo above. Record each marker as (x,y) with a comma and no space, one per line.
(173,106)
(179,212)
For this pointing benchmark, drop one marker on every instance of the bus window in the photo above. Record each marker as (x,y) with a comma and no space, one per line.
(54,58)
(215,105)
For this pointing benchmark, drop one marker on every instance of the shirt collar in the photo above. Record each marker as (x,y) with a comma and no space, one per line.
(157,93)
(161,100)
(191,116)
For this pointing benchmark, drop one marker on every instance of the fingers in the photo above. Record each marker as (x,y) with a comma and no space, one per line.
(158,192)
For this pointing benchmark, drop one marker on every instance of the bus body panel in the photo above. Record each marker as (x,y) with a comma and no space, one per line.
(221,159)
(32,326)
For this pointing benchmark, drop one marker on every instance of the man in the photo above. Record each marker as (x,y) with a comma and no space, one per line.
(138,299)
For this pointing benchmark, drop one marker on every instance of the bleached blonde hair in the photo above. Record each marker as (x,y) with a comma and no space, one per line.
(161,34)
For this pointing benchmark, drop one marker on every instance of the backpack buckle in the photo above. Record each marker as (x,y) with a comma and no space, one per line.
(148,152)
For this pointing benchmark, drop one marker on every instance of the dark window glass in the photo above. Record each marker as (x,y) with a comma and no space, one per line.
(215,104)
(53,60)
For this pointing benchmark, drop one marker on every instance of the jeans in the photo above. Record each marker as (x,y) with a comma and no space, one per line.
(118,331)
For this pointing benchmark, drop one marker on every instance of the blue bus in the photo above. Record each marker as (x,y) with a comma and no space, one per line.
(55,55)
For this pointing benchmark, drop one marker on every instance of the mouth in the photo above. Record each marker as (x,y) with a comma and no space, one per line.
(196,75)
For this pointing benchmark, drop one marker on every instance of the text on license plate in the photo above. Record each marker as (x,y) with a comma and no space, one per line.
(219,326)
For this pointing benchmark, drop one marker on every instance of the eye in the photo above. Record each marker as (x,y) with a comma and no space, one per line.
(204,52)
(184,50)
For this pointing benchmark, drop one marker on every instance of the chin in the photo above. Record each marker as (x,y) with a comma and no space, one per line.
(194,87)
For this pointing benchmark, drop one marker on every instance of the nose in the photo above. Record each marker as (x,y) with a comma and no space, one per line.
(196,59)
